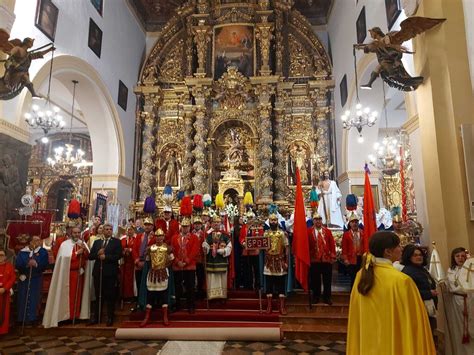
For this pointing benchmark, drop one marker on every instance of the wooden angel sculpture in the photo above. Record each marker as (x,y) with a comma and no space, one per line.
(389,51)
(17,64)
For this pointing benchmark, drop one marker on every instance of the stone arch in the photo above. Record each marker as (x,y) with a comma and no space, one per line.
(97,105)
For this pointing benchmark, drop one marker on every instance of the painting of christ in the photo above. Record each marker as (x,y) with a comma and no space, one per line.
(234,46)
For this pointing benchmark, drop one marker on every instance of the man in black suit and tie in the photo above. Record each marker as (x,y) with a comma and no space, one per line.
(106,253)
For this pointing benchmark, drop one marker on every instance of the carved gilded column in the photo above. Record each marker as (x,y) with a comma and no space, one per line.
(278,43)
(189,46)
(264,177)
(202,36)
(200,167)
(147,176)
(188,154)
(280,170)
(263,33)
(321,119)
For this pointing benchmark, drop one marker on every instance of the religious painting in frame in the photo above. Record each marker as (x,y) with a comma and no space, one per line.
(234,45)
(358,190)
(361,27)
(392,10)
(122,95)
(95,38)
(343,90)
(98,5)
(47,18)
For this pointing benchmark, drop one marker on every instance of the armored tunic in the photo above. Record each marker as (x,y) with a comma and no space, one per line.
(157,278)
(275,256)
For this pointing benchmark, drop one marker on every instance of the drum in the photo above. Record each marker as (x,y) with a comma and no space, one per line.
(466,275)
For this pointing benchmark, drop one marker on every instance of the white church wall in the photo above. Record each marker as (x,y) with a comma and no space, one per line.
(123,47)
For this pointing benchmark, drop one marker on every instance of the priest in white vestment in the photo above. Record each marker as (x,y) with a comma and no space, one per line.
(69,291)
(329,207)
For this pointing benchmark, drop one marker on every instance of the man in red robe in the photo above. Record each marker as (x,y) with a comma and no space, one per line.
(128,266)
(140,244)
(352,246)
(67,282)
(7,279)
(322,252)
(167,224)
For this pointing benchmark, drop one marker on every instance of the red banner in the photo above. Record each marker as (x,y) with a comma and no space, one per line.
(20,233)
(46,217)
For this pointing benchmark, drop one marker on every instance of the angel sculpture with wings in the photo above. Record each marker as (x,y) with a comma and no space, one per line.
(389,51)
(17,65)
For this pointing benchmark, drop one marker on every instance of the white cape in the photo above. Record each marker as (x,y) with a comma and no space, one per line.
(57,305)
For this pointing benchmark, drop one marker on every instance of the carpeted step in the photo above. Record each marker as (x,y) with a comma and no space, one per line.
(315,318)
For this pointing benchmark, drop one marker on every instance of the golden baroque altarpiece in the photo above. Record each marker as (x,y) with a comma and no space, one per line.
(234,96)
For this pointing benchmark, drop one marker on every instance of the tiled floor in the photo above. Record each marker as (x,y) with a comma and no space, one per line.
(90,345)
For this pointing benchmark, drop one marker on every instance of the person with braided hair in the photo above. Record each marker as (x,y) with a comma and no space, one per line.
(386,313)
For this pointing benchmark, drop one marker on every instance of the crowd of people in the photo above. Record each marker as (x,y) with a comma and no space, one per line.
(169,264)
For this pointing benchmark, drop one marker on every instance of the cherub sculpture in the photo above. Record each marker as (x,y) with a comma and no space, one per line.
(389,51)
(17,65)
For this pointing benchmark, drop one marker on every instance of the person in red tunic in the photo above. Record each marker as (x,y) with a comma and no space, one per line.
(128,266)
(206,221)
(352,246)
(167,224)
(185,246)
(140,244)
(92,230)
(200,272)
(251,264)
(7,279)
(67,282)
(322,252)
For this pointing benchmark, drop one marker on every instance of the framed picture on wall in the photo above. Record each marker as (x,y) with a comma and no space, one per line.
(122,95)
(358,190)
(361,26)
(99,5)
(47,18)
(343,90)
(392,10)
(95,38)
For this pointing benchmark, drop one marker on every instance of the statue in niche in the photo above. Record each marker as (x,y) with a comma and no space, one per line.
(17,65)
(236,151)
(171,167)
(299,159)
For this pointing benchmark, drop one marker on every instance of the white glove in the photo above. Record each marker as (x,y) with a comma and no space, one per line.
(22,277)
(81,271)
(221,251)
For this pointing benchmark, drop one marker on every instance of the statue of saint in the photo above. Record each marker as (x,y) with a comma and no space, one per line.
(298,155)
(236,151)
(330,201)
(171,165)
(17,65)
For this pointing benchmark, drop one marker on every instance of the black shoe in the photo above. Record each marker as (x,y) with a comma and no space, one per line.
(191,310)
(315,300)
(92,322)
(328,302)
(110,322)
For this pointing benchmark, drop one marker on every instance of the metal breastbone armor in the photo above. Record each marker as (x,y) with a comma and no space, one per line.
(276,242)
(159,260)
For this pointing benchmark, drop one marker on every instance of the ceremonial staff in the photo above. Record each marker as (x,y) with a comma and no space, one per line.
(77,288)
(205,273)
(104,244)
(26,299)
(2,306)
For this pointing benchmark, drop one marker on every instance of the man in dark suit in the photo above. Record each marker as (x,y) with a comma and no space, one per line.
(106,253)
